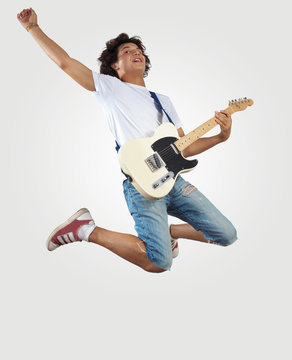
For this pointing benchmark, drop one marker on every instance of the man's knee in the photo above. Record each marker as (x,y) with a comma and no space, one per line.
(159,263)
(153,268)
(230,236)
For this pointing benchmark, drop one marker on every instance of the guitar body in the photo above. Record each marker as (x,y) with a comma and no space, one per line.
(154,163)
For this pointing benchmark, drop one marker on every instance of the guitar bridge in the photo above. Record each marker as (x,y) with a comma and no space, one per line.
(154,162)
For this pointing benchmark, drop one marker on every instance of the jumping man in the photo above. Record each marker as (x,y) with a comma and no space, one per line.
(132,112)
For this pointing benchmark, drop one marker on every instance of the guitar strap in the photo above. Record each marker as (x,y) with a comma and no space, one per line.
(155,97)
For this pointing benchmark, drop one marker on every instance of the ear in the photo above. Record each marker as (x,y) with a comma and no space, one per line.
(115,66)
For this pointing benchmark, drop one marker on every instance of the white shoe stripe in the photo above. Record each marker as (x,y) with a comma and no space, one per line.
(71,236)
(66,238)
(61,240)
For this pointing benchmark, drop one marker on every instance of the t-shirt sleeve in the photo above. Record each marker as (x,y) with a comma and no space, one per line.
(172,113)
(104,84)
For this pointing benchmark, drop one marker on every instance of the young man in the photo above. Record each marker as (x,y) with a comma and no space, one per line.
(133,113)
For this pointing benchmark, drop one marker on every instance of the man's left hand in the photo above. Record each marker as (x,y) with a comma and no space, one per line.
(223,118)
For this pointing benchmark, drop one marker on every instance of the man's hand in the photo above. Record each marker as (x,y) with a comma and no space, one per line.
(223,118)
(26,17)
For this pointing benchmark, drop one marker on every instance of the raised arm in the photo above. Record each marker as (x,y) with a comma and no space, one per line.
(77,71)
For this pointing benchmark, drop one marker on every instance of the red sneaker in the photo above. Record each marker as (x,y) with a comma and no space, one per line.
(174,245)
(68,231)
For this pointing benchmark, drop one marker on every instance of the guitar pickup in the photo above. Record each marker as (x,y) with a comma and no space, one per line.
(154,162)
(163,179)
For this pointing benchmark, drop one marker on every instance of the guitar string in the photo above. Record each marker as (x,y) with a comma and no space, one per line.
(167,155)
(167,151)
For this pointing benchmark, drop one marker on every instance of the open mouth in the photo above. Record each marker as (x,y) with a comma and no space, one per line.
(137,60)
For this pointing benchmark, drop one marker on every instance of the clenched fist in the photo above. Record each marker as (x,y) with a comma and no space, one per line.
(26,17)
(223,118)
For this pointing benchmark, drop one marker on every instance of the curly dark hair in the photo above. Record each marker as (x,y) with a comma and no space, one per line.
(110,54)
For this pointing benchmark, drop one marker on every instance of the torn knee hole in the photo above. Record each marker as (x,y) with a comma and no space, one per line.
(188,189)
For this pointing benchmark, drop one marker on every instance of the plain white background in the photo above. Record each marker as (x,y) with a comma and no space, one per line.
(57,155)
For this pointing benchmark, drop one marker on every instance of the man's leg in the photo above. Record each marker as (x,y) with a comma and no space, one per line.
(207,223)
(81,227)
(127,246)
(186,231)
(151,225)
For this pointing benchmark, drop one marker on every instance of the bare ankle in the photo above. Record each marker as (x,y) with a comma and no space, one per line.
(93,237)
(171,227)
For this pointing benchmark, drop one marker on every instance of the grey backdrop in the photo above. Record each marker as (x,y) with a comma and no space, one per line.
(57,155)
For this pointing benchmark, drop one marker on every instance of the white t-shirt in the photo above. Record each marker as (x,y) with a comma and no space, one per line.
(130,110)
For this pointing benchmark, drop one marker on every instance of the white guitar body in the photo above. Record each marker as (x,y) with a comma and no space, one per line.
(135,160)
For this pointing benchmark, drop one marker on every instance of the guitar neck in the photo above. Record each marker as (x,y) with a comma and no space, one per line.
(201,130)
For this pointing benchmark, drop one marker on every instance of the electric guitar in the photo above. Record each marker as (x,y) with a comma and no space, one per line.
(152,164)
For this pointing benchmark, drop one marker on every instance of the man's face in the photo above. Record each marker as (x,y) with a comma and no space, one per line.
(130,60)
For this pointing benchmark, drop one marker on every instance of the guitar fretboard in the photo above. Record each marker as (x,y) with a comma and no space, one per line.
(201,130)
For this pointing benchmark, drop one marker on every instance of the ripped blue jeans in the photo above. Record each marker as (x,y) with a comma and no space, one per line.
(184,202)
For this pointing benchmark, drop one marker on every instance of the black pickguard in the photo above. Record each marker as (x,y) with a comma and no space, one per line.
(173,162)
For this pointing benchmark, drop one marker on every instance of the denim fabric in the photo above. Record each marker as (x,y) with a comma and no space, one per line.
(184,202)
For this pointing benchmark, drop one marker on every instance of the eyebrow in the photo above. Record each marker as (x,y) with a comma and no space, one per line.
(125,47)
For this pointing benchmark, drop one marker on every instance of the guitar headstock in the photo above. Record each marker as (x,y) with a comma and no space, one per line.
(240,104)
